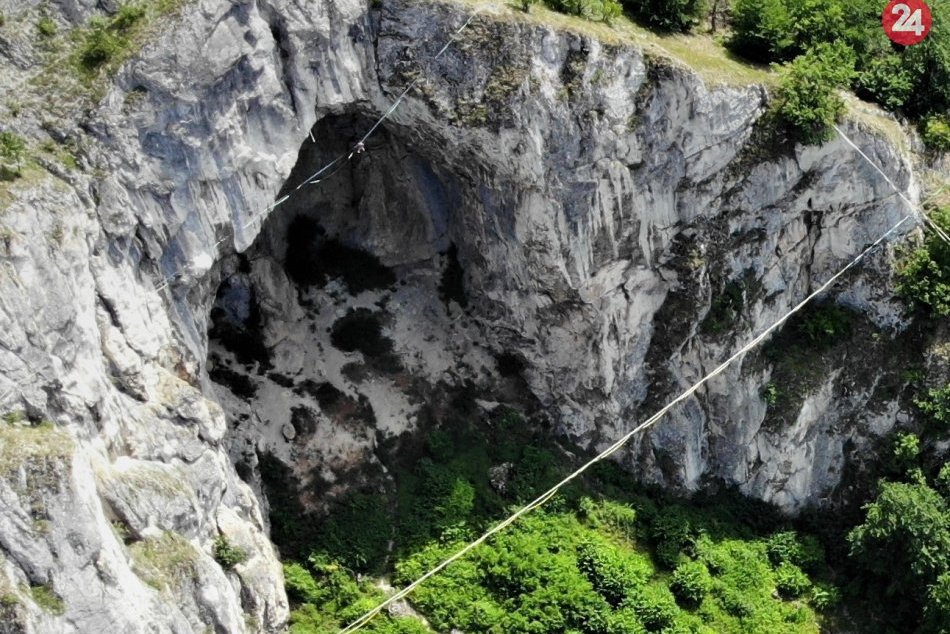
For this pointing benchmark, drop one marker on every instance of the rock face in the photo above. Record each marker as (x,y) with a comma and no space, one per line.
(618,225)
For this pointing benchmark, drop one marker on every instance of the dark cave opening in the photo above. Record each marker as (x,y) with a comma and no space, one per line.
(343,338)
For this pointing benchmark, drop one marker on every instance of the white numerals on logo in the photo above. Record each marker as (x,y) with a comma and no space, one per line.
(910,22)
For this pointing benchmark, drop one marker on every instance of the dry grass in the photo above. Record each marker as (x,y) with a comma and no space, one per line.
(29,445)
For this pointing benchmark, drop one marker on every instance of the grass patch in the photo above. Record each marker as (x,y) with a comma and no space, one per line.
(164,561)
(47,599)
(33,444)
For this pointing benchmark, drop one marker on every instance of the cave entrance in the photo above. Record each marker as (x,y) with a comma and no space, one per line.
(343,333)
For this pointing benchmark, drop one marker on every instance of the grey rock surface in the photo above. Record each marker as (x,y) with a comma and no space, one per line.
(600,199)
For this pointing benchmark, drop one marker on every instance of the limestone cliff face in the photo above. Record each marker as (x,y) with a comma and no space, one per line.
(601,203)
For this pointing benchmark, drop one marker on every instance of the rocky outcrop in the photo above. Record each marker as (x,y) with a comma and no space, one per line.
(601,201)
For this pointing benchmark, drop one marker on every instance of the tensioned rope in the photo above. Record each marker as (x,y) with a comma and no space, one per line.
(920,213)
(547,495)
(623,440)
(355,149)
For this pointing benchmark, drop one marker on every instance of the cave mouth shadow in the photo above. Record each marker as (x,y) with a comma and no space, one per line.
(391,200)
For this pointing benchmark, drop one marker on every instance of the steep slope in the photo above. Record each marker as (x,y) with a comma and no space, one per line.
(599,202)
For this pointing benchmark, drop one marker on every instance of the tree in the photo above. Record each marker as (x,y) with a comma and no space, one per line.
(808,102)
(668,15)
(904,545)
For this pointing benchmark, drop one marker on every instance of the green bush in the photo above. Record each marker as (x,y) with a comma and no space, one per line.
(127,17)
(672,533)
(613,573)
(690,582)
(904,452)
(46,27)
(935,132)
(762,29)
(903,548)
(826,324)
(12,155)
(105,41)
(825,596)
(924,276)
(929,64)
(790,581)
(226,553)
(936,404)
(807,102)
(655,606)
(600,10)
(668,15)
(804,551)
(99,46)
(885,80)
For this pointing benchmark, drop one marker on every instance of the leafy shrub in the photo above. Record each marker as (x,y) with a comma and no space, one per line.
(725,309)
(614,574)
(904,451)
(673,533)
(12,155)
(226,553)
(127,17)
(608,514)
(807,102)
(358,533)
(109,40)
(762,29)
(806,551)
(885,80)
(46,27)
(790,581)
(924,276)
(935,131)
(936,404)
(655,606)
(100,45)
(668,15)
(903,545)
(825,596)
(937,607)
(826,324)
(691,581)
(602,10)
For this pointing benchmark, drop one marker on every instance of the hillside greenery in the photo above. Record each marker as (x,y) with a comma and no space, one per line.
(924,276)
(819,47)
(605,557)
(609,557)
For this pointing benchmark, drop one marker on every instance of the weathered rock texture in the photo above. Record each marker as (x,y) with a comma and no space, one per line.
(600,201)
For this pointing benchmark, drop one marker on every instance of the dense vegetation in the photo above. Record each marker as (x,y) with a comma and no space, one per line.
(924,277)
(598,559)
(822,47)
(914,80)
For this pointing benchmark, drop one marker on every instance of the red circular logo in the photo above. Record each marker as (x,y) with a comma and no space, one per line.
(907,22)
